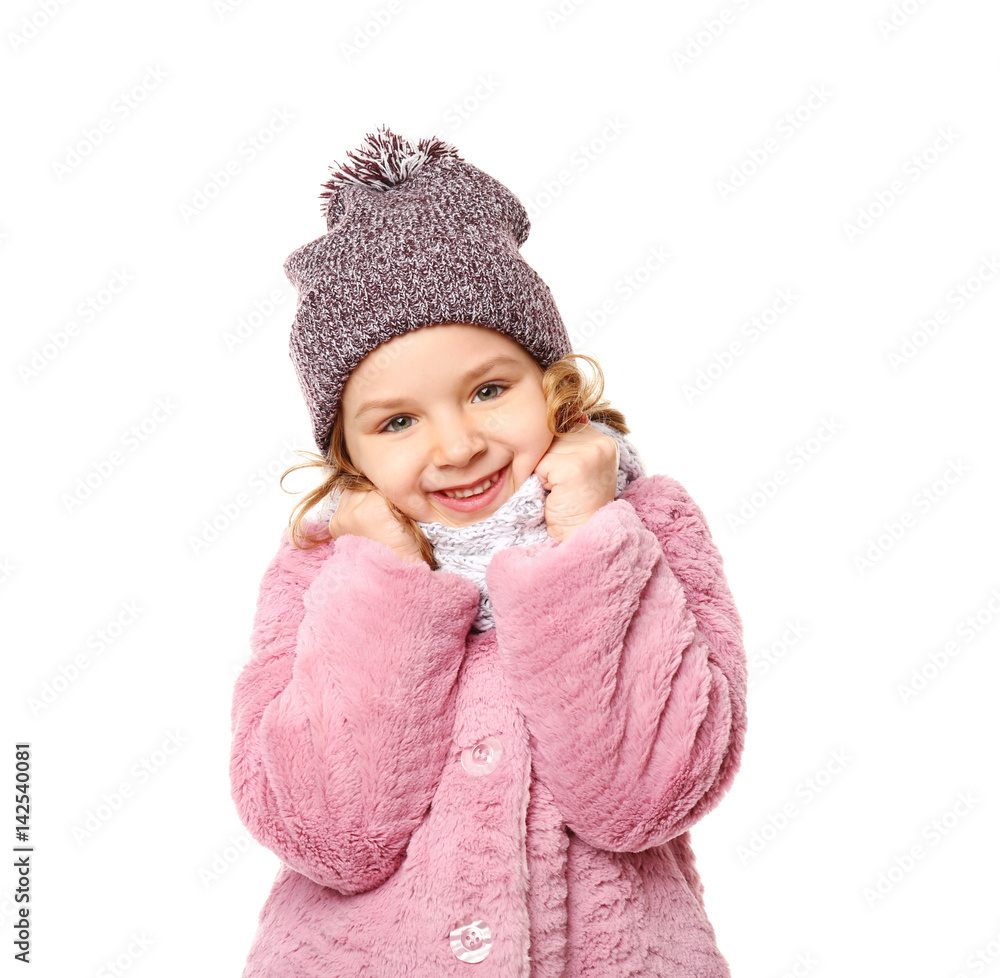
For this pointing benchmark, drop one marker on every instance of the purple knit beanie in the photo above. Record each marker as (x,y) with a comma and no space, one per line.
(415,236)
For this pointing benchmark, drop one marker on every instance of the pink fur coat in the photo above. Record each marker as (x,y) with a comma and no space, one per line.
(510,803)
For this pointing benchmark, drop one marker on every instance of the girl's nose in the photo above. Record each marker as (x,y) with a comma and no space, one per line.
(458,442)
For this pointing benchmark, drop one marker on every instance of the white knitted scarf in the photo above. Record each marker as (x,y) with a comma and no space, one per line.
(520,522)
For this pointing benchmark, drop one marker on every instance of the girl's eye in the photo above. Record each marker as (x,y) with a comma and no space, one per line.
(486,387)
(499,388)
(387,425)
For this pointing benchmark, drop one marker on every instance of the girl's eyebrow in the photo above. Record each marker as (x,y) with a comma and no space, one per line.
(492,364)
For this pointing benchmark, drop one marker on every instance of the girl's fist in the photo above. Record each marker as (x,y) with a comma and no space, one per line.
(581,471)
(369,514)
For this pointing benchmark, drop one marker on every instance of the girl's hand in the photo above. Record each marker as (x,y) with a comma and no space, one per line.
(368,514)
(581,470)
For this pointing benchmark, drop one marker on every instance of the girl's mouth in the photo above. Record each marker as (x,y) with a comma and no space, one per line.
(463,503)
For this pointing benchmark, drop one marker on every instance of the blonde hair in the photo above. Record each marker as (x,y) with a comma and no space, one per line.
(568,394)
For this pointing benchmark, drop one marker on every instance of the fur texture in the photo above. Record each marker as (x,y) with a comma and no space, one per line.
(614,678)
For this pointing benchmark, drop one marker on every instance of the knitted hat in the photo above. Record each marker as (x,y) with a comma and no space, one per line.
(415,236)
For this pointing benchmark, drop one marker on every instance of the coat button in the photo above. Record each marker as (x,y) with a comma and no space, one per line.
(471,940)
(483,758)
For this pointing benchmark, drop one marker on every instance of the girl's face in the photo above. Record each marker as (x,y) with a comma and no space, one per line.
(456,405)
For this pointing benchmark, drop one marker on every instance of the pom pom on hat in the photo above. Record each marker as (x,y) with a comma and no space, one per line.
(385,160)
(382,162)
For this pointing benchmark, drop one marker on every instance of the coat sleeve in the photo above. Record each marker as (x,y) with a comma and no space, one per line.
(343,716)
(625,655)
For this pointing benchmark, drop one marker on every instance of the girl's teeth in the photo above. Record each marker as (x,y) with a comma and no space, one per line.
(475,491)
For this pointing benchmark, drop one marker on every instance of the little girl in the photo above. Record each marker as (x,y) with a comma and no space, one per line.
(499,675)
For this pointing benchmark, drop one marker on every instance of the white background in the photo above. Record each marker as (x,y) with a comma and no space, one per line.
(867,158)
